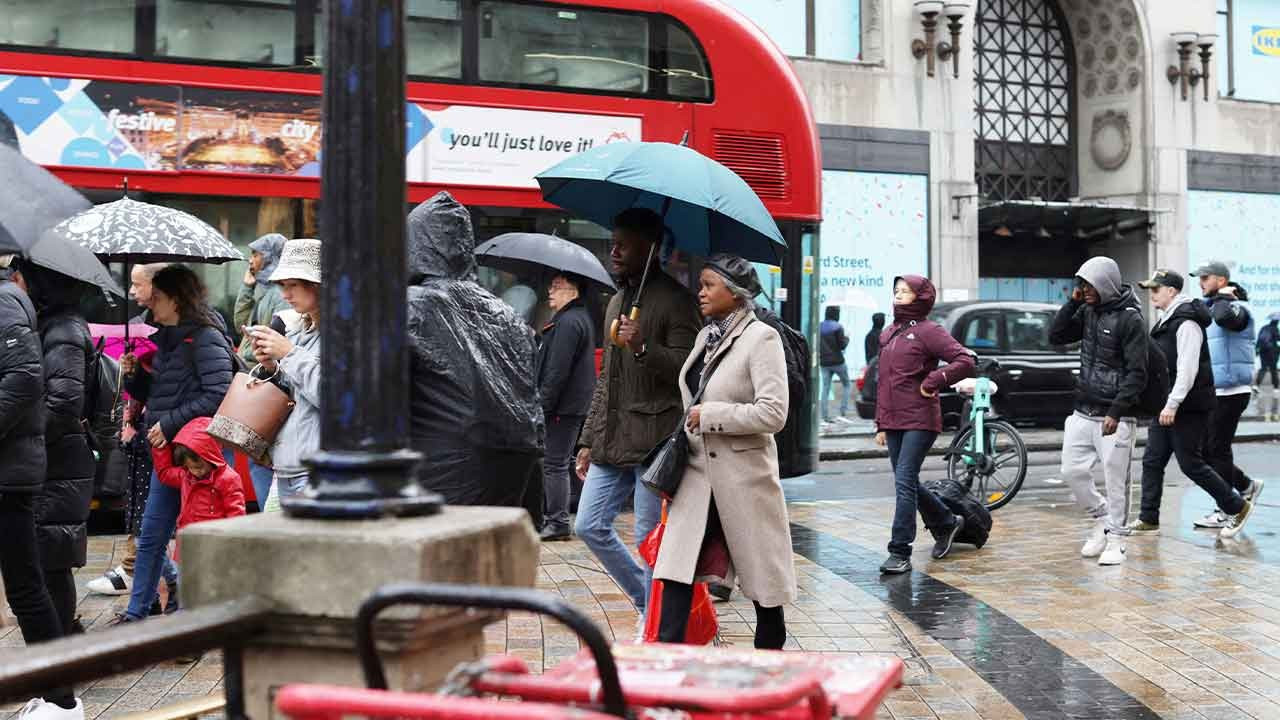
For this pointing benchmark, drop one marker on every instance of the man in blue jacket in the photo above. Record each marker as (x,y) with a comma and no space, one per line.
(1231,340)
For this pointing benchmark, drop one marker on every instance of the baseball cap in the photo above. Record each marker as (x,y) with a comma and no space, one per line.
(1163,278)
(1213,267)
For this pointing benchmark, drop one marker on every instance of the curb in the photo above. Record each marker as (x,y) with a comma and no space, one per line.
(875,453)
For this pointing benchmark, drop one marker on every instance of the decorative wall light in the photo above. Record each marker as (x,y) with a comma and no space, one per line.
(928,48)
(1183,73)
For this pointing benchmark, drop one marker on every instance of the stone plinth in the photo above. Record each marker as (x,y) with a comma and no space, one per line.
(317,572)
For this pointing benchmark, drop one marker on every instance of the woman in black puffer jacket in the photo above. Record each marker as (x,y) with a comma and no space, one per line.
(190,375)
(62,507)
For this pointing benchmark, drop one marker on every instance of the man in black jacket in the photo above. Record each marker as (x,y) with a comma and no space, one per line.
(871,343)
(22,454)
(1184,421)
(566,378)
(1103,315)
(62,508)
(831,344)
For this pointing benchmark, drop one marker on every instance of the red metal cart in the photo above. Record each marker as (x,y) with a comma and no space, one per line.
(655,682)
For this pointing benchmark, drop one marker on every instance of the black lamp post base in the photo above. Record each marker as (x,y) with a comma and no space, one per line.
(362,485)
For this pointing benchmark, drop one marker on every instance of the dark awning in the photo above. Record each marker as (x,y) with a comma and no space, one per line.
(1081,219)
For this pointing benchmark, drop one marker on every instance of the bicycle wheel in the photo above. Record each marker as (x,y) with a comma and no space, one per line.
(996,476)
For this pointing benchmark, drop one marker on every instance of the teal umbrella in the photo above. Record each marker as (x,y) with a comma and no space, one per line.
(706,207)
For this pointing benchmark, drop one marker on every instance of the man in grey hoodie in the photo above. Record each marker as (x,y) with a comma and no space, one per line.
(1104,317)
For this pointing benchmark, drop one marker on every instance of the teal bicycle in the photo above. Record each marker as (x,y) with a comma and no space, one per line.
(987,455)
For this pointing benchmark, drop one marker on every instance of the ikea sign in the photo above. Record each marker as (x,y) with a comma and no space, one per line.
(1266,41)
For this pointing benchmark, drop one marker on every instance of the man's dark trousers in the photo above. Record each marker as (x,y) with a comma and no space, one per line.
(1221,434)
(1186,441)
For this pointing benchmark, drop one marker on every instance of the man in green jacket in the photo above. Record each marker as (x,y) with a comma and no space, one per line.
(636,403)
(258,302)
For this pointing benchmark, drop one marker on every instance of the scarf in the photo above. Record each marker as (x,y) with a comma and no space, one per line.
(719,328)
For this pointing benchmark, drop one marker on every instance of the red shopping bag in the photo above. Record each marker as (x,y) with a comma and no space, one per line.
(703,624)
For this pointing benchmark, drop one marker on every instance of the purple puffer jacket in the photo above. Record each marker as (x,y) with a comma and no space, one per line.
(909,361)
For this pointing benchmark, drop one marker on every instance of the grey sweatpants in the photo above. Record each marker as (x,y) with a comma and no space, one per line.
(1083,448)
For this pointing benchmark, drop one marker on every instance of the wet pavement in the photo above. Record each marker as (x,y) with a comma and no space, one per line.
(1188,627)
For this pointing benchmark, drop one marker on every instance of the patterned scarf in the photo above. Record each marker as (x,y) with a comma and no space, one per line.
(719,328)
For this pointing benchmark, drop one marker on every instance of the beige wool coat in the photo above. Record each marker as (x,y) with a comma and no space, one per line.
(734,457)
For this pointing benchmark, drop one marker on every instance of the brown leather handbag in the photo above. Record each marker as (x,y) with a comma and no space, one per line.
(251,415)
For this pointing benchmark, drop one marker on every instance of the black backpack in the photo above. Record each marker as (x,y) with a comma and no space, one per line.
(102,401)
(1156,393)
(794,453)
(977,518)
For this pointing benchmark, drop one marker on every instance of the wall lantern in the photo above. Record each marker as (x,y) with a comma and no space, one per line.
(1183,72)
(926,48)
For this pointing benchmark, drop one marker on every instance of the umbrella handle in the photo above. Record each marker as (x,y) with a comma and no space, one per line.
(613,329)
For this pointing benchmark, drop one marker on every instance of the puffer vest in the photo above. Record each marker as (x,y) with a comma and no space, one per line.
(1200,398)
(1231,352)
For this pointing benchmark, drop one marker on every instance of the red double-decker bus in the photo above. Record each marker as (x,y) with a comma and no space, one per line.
(214,107)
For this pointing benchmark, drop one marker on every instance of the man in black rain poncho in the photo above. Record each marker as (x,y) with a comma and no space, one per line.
(474,404)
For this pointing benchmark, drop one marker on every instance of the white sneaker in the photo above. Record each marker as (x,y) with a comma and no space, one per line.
(1255,490)
(1114,552)
(638,636)
(1215,519)
(38,709)
(1096,542)
(113,582)
(1236,522)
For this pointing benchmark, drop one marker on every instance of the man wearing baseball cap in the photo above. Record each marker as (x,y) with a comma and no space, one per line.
(1184,421)
(1231,340)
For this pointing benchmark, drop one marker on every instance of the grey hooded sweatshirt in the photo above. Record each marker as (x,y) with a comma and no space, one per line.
(256,304)
(1113,343)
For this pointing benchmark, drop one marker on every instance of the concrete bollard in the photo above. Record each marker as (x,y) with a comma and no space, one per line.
(317,572)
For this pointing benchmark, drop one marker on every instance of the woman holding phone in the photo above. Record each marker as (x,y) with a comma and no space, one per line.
(295,358)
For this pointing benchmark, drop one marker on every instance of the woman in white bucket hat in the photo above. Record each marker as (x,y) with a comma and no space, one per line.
(296,355)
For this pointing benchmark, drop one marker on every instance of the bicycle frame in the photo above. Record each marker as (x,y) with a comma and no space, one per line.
(979,406)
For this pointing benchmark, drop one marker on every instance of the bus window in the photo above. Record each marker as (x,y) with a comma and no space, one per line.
(687,74)
(564,47)
(432,38)
(106,26)
(257,33)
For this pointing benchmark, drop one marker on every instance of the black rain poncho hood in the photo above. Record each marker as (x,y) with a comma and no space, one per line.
(474,391)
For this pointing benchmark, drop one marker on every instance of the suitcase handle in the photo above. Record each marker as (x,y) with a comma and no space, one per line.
(489,598)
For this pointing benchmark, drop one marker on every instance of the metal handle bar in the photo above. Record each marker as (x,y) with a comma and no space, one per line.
(489,598)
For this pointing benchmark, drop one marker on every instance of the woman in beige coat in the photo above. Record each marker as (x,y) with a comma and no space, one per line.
(730,497)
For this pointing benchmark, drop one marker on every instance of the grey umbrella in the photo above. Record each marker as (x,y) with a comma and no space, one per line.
(136,232)
(525,252)
(33,201)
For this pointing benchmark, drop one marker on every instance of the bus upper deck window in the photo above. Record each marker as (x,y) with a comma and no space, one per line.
(106,26)
(528,44)
(688,76)
(261,33)
(432,37)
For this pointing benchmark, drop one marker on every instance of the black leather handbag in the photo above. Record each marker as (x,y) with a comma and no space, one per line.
(665,463)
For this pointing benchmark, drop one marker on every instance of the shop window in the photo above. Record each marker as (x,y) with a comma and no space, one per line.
(104,26)
(563,47)
(259,32)
(823,29)
(1248,53)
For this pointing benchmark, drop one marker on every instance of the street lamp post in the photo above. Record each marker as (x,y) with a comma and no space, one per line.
(364,467)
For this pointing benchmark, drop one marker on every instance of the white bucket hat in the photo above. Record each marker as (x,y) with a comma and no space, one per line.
(300,260)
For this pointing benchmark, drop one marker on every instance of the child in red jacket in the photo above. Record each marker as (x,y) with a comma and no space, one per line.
(193,463)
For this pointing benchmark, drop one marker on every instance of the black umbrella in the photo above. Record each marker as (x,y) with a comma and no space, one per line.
(525,252)
(33,201)
(136,232)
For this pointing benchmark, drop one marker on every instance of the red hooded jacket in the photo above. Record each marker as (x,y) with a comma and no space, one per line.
(218,495)
(910,350)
